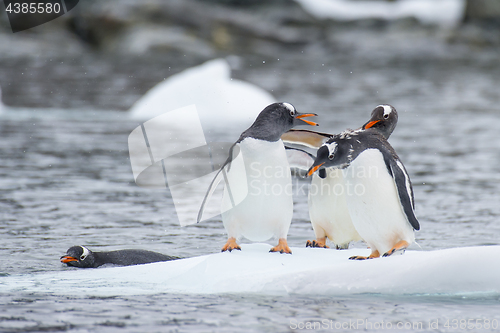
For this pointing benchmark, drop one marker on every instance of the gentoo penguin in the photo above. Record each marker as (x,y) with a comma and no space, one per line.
(378,190)
(328,210)
(80,256)
(384,119)
(266,210)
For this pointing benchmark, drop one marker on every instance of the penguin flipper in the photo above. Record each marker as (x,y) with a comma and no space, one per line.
(217,179)
(306,138)
(405,191)
(298,158)
(211,189)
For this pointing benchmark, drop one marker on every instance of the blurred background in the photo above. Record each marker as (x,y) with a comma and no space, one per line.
(106,54)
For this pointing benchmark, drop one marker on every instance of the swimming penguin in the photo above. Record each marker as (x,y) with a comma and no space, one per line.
(80,256)
(328,210)
(266,210)
(379,193)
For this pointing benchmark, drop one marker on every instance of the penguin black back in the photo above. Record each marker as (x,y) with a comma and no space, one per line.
(341,149)
(82,257)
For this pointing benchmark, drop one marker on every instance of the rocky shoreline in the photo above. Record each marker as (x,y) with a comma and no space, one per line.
(106,55)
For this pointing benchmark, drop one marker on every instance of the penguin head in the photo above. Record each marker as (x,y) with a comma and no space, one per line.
(276,119)
(79,256)
(384,119)
(330,154)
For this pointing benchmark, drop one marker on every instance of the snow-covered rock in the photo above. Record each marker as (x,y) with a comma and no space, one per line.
(440,12)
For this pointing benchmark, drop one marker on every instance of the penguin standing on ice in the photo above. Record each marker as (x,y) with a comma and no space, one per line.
(266,210)
(379,193)
(330,217)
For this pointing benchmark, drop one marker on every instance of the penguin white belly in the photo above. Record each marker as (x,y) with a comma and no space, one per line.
(328,209)
(373,203)
(267,209)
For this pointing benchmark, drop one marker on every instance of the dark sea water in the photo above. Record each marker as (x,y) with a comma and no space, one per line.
(66,179)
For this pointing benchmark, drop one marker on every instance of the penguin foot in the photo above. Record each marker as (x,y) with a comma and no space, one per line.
(282,247)
(358,258)
(374,254)
(231,245)
(319,243)
(399,248)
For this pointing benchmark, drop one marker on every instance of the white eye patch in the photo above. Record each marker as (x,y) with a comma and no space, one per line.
(85,252)
(289,107)
(387,109)
(331,148)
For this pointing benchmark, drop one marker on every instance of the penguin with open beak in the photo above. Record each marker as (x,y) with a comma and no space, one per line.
(328,210)
(378,190)
(264,174)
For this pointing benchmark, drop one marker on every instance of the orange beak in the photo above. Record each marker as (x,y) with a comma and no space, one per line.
(67,259)
(307,121)
(314,169)
(371,123)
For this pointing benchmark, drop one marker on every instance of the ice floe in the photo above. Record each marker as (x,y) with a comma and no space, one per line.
(455,271)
